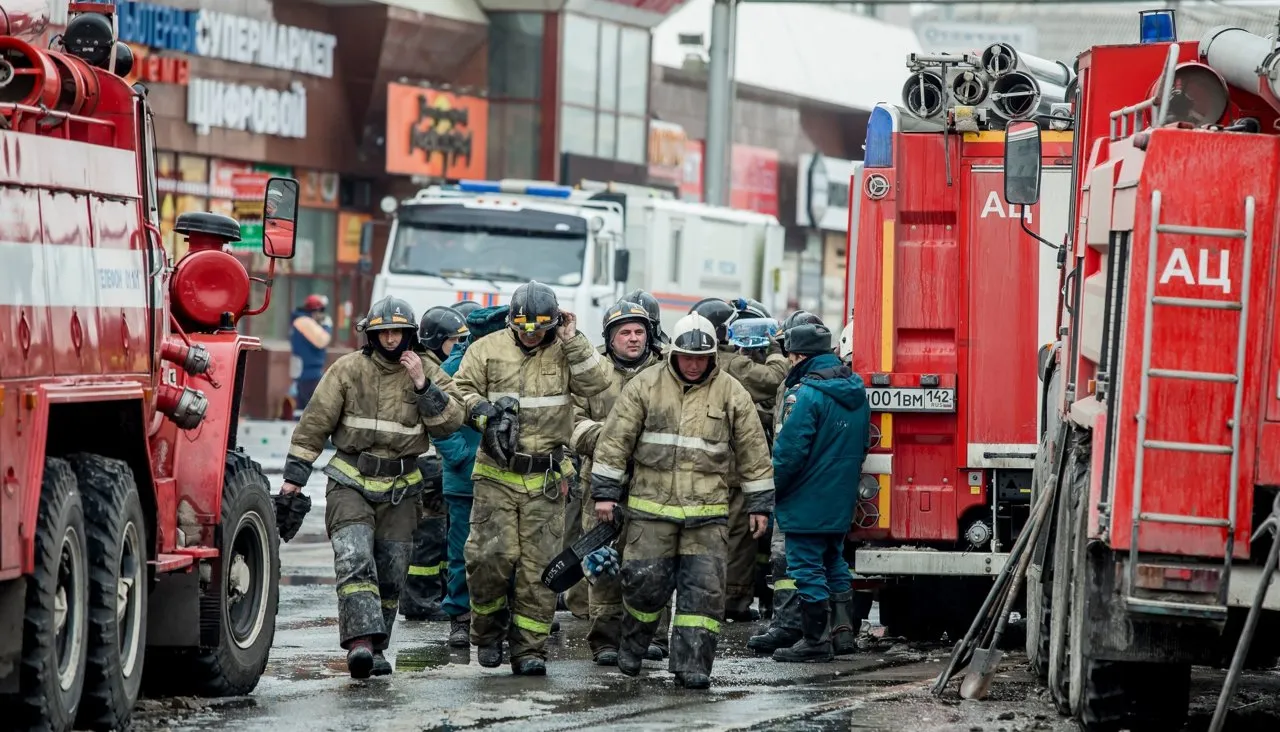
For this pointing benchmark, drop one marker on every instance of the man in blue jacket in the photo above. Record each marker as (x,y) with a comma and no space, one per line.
(817,462)
(458,452)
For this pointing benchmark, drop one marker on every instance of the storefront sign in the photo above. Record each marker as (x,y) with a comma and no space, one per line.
(666,150)
(838,173)
(235,38)
(149,67)
(318,189)
(212,103)
(753,177)
(435,133)
(350,231)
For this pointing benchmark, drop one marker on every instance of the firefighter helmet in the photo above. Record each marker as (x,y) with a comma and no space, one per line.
(651,305)
(439,324)
(465,307)
(745,307)
(800,317)
(694,335)
(846,343)
(534,309)
(389,313)
(625,311)
(717,312)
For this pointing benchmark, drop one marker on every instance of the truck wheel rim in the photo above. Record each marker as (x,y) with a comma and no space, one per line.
(247,573)
(69,609)
(128,605)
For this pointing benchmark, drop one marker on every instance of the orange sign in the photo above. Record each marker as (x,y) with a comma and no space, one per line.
(435,134)
(350,231)
(319,189)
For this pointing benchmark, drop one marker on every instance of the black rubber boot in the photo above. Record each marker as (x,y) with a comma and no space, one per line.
(843,631)
(460,632)
(628,664)
(743,616)
(490,656)
(529,666)
(360,659)
(381,666)
(773,639)
(816,644)
(607,657)
(555,626)
(695,681)
(655,652)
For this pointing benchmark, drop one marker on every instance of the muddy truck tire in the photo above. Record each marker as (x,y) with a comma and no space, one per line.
(238,608)
(55,633)
(118,583)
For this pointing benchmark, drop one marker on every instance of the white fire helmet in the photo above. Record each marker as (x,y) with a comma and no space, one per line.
(846,343)
(693,335)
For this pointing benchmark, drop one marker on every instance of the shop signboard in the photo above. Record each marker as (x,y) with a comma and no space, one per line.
(350,231)
(247,108)
(436,134)
(317,189)
(753,177)
(666,151)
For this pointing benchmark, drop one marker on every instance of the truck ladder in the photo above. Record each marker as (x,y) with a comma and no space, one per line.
(1236,378)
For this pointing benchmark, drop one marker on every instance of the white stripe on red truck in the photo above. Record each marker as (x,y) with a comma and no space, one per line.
(69,275)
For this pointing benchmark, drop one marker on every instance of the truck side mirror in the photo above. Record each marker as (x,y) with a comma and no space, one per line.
(1022,162)
(621,265)
(280,218)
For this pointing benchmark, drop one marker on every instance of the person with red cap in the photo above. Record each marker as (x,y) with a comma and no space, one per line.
(310,335)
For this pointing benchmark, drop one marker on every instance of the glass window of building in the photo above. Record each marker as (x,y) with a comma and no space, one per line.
(516,42)
(604,89)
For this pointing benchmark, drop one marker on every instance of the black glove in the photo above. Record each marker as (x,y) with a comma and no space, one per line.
(291,509)
(481,413)
(502,432)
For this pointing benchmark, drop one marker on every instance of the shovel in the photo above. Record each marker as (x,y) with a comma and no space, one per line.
(986,661)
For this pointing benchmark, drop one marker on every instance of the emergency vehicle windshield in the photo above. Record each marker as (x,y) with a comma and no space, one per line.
(454,241)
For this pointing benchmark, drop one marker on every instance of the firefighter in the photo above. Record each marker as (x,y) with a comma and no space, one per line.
(466,307)
(654,308)
(748,556)
(822,440)
(670,444)
(458,453)
(517,386)
(378,405)
(784,626)
(628,334)
(439,332)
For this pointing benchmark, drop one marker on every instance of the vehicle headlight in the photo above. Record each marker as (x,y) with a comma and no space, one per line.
(868,487)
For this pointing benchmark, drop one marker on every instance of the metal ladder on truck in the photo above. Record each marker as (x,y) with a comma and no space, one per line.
(1236,378)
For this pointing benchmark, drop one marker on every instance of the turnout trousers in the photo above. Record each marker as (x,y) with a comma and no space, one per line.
(424,587)
(606,601)
(660,557)
(515,533)
(576,597)
(741,577)
(371,544)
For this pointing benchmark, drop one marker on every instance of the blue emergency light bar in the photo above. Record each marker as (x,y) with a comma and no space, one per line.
(516,187)
(878,151)
(1157,26)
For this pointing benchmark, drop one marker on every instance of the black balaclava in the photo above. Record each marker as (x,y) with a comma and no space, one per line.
(391,355)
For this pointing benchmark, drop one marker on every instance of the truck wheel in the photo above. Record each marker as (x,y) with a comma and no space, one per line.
(118,581)
(1072,511)
(55,633)
(241,601)
(1039,578)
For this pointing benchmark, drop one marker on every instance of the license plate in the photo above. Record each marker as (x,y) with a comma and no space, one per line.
(896,399)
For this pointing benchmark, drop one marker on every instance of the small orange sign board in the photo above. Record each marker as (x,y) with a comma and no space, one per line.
(436,133)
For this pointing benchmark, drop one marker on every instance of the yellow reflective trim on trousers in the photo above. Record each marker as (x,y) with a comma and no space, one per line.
(532,483)
(531,625)
(354,587)
(642,616)
(376,485)
(489,608)
(391,604)
(434,570)
(709,510)
(696,621)
(784,584)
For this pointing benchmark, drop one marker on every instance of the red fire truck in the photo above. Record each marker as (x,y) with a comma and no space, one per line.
(1164,420)
(134,536)
(951,306)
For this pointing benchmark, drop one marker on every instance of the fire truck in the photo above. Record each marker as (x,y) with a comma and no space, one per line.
(951,306)
(1163,443)
(138,545)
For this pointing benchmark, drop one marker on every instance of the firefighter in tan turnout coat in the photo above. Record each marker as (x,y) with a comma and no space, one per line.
(378,405)
(666,452)
(517,385)
(630,347)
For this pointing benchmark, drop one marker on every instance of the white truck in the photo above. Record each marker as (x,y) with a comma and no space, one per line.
(480,240)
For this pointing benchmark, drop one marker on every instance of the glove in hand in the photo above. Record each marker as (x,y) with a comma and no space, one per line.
(601,562)
(291,509)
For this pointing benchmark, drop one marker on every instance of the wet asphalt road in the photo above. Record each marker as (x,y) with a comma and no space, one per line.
(306,687)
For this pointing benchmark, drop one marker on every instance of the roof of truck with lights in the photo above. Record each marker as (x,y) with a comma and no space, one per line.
(514,195)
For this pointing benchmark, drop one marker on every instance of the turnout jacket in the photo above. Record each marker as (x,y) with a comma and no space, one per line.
(589,413)
(366,404)
(543,382)
(678,447)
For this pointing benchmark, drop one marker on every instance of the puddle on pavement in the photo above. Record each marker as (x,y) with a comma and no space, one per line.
(305,624)
(422,658)
(307,579)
